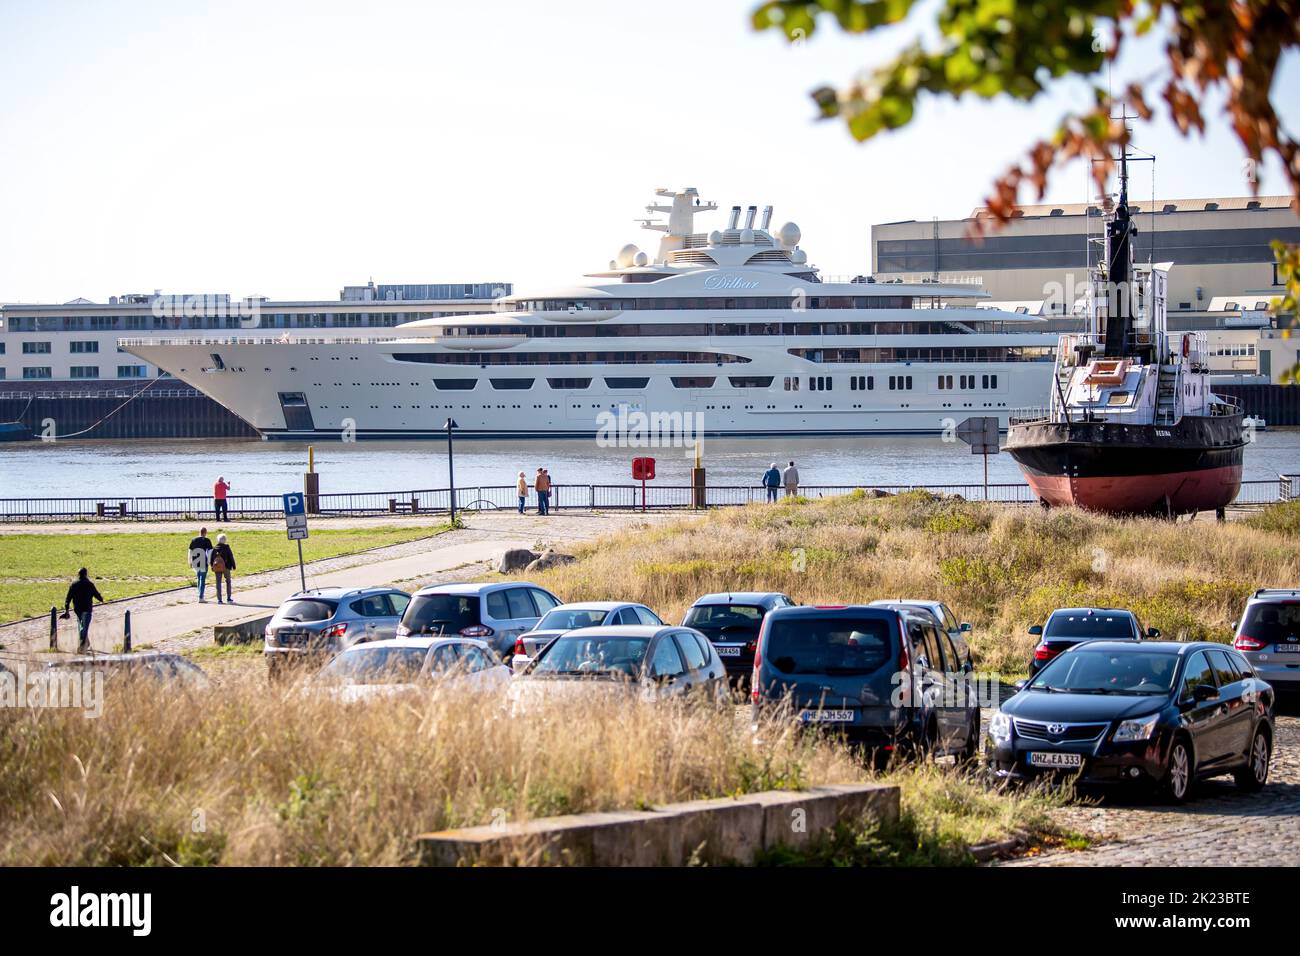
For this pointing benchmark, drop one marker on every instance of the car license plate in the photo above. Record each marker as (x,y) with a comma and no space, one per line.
(1287,648)
(1041,759)
(826,716)
(728,650)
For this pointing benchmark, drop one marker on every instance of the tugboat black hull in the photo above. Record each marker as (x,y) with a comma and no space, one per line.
(1132,469)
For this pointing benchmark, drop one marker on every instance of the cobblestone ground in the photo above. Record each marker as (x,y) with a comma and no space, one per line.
(1221,826)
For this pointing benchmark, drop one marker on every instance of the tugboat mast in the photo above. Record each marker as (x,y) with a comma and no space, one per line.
(1119,270)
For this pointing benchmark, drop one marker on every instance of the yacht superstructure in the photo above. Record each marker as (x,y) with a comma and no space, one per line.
(732,332)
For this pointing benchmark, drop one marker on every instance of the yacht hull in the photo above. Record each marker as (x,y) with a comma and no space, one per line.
(1192,466)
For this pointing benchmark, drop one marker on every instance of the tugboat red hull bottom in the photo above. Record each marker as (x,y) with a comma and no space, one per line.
(1177,492)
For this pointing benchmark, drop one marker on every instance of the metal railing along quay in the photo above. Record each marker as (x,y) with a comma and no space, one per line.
(502,497)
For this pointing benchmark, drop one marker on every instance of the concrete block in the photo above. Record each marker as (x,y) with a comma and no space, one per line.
(720,830)
(243,632)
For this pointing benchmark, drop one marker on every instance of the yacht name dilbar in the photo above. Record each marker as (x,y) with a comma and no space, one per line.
(724,333)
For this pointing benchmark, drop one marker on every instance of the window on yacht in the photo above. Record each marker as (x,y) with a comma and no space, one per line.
(568,382)
(750,381)
(512,383)
(628,382)
(692,381)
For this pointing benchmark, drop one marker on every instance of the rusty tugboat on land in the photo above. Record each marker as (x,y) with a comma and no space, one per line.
(1132,426)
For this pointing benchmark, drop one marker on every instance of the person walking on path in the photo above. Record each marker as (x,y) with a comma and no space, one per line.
(223,562)
(82,595)
(791,478)
(521,486)
(542,485)
(200,557)
(772,481)
(219,492)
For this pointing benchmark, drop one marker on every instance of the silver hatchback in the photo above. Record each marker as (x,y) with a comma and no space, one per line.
(324,621)
(1268,634)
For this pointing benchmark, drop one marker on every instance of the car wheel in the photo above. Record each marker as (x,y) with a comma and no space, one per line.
(1254,774)
(1179,773)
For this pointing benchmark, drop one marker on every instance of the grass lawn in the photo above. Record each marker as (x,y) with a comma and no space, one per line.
(36,569)
(1000,568)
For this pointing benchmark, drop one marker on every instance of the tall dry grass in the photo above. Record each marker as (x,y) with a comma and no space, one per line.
(244,773)
(1000,568)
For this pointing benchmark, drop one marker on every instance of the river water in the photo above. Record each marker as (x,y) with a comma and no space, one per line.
(127,469)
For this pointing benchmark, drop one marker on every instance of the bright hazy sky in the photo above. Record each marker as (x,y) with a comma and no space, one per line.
(287,149)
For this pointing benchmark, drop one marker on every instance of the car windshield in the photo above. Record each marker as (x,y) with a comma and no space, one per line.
(1269,623)
(1099,671)
(593,657)
(567,619)
(724,617)
(375,665)
(1089,625)
(830,645)
(441,613)
(303,610)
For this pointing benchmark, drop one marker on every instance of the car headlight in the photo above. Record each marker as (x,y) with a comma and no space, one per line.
(1000,726)
(1140,729)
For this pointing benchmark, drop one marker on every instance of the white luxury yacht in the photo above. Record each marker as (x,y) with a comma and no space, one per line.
(727,333)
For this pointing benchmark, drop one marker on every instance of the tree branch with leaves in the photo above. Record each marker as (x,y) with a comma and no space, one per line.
(1018,48)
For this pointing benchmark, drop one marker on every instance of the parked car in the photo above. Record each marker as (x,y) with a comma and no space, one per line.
(943,615)
(884,677)
(654,661)
(493,613)
(1268,635)
(380,668)
(732,622)
(149,665)
(567,617)
(1157,713)
(324,621)
(1068,626)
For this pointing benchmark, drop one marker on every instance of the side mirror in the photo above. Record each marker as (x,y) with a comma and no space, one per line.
(964,627)
(1153,632)
(1204,692)
(1036,630)
(967,667)
(1021,684)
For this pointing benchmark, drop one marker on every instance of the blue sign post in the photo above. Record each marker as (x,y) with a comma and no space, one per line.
(295,522)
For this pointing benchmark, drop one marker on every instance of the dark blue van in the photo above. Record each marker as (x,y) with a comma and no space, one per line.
(888,678)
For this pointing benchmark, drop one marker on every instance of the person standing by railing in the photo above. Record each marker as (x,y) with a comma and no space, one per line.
(772,481)
(200,556)
(219,492)
(791,478)
(542,485)
(82,595)
(521,487)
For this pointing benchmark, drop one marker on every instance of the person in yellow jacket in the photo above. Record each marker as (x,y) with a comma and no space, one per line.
(521,486)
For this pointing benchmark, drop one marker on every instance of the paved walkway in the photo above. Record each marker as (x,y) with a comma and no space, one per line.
(175,620)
